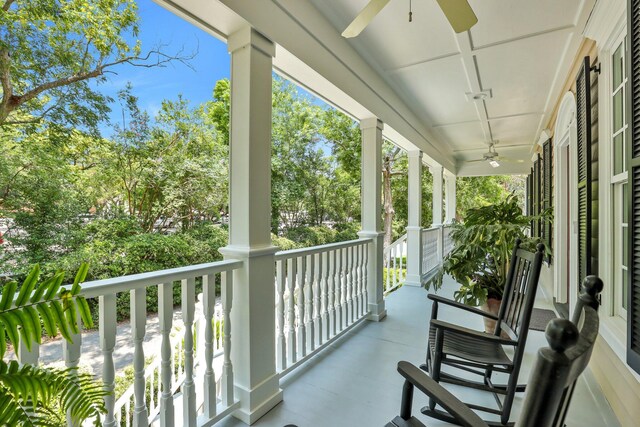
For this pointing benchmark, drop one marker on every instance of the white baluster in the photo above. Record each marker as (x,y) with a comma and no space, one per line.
(365,274)
(107,326)
(331,293)
(344,269)
(319,296)
(29,357)
(387,264)
(338,286)
(138,324)
(281,344)
(209,302)
(394,256)
(358,275)
(165,314)
(302,330)
(127,413)
(71,352)
(291,283)
(188,387)
(309,300)
(402,273)
(227,366)
(324,291)
(351,284)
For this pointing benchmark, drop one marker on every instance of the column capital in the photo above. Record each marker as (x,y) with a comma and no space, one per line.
(435,169)
(415,154)
(372,122)
(248,36)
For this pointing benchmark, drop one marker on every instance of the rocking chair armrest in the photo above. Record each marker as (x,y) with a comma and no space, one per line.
(446,326)
(447,301)
(461,412)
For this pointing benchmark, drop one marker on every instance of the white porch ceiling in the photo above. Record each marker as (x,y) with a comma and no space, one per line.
(520,50)
(415,76)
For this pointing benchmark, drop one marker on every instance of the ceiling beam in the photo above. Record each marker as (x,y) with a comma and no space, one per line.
(470,67)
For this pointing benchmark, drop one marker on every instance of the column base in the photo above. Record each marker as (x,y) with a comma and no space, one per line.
(250,411)
(377,312)
(413,280)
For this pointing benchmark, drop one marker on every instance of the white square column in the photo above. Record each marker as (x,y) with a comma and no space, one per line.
(414,228)
(436,171)
(253,313)
(371,181)
(450,198)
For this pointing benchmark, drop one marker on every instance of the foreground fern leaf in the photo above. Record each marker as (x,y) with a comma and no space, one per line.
(39,396)
(28,392)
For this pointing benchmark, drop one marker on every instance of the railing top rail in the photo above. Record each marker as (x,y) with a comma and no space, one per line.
(136,281)
(431,229)
(293,253)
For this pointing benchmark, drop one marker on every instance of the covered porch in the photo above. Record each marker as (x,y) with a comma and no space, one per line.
(354,381)
(311,337)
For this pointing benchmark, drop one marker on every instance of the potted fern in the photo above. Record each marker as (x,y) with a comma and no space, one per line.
(36,395)
(482,246)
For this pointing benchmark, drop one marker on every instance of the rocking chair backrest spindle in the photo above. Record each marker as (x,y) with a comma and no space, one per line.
(519,293)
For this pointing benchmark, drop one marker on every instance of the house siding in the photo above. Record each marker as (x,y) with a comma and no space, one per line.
(621,389)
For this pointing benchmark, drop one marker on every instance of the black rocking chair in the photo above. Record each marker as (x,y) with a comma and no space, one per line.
(483,353)
(551,382)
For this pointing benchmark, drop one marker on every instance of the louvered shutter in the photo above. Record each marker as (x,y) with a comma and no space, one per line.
(583,116)
(633,166)
(547,185)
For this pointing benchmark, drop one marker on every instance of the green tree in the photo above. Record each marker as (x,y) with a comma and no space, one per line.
(478,191)
(51,50)
(169,169)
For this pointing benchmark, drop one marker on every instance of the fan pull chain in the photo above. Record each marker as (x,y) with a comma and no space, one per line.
(410,12)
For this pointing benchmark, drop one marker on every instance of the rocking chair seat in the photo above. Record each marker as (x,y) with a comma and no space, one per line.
(463,343)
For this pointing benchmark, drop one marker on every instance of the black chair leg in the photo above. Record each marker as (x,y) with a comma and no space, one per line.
(436,363)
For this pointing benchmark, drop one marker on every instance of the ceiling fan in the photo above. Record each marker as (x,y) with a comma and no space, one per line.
(458,12)
(494,158)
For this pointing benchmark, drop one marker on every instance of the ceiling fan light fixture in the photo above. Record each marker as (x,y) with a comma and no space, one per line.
(494,163)
(478,96)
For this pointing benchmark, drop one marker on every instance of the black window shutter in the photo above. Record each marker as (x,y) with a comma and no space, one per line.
(547,185)
(583,116)
(633,166)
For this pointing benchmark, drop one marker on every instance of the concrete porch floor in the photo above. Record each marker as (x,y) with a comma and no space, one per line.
(354,381)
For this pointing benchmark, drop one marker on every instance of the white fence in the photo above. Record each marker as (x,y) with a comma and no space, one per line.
(320,293)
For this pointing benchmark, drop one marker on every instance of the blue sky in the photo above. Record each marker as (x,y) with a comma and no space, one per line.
(152,85)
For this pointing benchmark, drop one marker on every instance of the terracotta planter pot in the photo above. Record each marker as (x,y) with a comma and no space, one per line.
(491,306)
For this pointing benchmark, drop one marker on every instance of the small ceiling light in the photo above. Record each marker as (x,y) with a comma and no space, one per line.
(479,96)
(494,163)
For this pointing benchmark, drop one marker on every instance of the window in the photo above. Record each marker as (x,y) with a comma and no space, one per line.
(619,178)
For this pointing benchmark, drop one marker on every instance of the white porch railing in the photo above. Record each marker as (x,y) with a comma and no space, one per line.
(321,292)
(447,244)
(430,256)
(395,263)
(203,392)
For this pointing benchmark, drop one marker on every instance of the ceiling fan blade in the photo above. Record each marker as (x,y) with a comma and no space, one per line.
(459,13)
(475,161)
(363,19)
(508,160)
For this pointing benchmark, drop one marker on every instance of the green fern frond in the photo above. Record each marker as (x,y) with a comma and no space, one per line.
(45,304)
(33,391)
(33,395)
